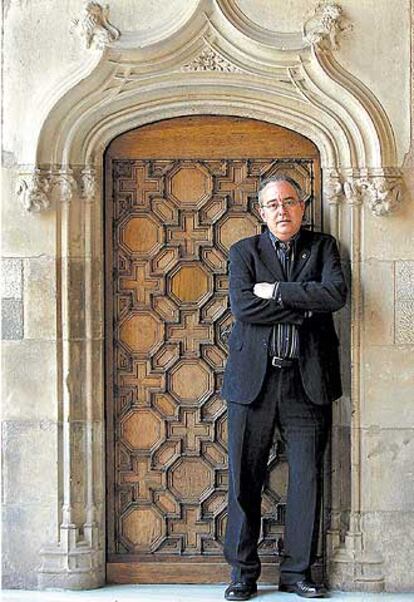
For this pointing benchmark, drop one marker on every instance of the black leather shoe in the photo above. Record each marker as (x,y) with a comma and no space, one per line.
(240,591)
(304,588)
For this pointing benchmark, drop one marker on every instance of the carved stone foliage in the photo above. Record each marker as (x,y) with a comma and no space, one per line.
(64,182)
(354,191)
(384,194)
(33,191)
(88,183)
(174,222)
(322,29)
(333,191)
(209,60)
(94,26)
(38,190)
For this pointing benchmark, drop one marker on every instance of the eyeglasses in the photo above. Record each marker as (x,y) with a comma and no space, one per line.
(288,204)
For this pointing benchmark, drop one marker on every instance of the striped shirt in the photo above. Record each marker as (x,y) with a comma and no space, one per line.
(285,337)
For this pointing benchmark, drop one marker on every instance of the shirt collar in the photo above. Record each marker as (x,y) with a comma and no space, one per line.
(275,241)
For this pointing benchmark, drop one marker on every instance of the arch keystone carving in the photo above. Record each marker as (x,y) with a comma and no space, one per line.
(209,60)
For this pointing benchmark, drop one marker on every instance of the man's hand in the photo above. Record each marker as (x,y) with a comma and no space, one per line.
(264,290)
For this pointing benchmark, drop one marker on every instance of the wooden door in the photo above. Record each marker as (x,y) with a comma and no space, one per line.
(178,194)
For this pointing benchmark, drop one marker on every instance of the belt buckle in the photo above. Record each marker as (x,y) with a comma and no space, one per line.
(277,362)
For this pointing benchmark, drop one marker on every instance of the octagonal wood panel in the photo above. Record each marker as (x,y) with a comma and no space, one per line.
(179,193)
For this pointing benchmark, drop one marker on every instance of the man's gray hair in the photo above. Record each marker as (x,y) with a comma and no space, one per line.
(281,178)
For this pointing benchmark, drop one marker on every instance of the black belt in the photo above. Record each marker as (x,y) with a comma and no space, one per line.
(282,362)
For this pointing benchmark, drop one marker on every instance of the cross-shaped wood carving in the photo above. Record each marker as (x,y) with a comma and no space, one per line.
(141,283)
(190,528)
(192,431)
(143,478)
(144,382)
(141,185)
(238,183)
(188,235)
(190,333)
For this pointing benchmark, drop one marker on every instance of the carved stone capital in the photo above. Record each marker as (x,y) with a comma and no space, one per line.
(209,60)
(88,184)
(94,26)
(354,191)
(40,189)
(384,194)
(382,189)
(64,183)
(333,190)
(33,190)
(322,28)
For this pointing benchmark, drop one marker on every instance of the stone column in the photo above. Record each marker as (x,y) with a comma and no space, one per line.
(351,565)
(76,559)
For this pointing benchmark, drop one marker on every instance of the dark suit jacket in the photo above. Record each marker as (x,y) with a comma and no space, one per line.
(316,283)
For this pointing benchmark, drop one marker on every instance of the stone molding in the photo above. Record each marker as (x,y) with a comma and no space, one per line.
(94,26)
(193,73)
(292,80)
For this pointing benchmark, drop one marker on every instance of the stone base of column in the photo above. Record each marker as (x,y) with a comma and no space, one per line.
(74,563)
(353,569)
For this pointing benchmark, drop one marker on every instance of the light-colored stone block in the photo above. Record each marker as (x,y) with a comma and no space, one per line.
(40,298)
(378,293)
(388,375)
(25,529)
(24,235)
(30,461)
(288,17)
(11,319)
(29,380)
(404,303)
(390,238)
(11,278)
(392,535)
(387,469)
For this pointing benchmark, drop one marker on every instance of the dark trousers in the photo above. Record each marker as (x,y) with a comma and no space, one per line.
(304,427)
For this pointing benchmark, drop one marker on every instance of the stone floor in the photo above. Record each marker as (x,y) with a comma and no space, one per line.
(179,593)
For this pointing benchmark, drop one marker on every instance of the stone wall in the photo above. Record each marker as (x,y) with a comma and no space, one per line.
(388,386)
(29,420)
(46,53)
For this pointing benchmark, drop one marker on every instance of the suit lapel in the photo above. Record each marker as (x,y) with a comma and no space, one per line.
(303,253)
(269,258)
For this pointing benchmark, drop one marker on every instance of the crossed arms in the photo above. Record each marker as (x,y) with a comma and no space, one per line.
(253,302)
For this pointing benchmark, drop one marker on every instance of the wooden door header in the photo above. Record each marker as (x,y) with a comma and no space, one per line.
(211,136)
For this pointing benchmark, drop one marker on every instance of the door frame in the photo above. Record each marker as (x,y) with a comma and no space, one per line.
(139,567)
(209,62)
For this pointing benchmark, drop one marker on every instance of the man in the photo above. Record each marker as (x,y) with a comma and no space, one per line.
(282,372)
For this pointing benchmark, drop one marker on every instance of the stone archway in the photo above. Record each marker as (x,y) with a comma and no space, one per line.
(213,63)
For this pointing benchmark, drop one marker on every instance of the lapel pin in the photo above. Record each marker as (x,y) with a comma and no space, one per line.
(304,255)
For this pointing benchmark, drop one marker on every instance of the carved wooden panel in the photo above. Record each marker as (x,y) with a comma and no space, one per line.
(172,223)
